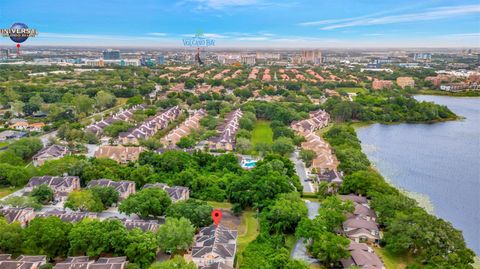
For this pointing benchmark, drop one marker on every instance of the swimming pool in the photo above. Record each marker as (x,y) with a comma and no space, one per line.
(248,163)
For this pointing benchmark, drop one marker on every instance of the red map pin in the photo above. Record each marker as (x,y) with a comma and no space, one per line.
(216,216)
(18,48)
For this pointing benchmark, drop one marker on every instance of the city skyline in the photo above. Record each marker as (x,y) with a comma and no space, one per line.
(249,23)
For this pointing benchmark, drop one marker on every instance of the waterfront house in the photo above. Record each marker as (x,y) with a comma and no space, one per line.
(364,212)
(363,256)
(356,199)
(361,230)
(330,176)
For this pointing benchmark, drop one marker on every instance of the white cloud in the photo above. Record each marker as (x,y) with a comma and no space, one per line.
(374,19)
(219,4)
(207,35)
(375,34)
(253,38)
(477,35)
(157,34)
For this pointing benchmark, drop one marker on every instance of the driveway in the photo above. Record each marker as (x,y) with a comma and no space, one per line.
(91,148)
(301,172)
(45,137)
(299,251)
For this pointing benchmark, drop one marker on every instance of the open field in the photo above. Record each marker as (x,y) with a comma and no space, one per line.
(352,90)
(456,94)
(262,133)
(391,261)
(220,205)
(4,191)
(248,231)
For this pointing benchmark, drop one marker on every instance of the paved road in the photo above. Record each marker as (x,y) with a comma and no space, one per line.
(46,137)
(111,212)
(91,148)
(299,251)
(301,171)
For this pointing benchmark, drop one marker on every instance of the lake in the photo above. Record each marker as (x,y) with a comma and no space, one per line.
(439,161)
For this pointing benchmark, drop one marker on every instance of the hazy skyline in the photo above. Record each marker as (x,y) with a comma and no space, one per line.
(248,23)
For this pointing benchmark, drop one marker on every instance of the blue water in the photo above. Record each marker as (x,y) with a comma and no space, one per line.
(439,160)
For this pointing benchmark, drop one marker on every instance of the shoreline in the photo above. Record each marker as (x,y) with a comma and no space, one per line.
(465,94)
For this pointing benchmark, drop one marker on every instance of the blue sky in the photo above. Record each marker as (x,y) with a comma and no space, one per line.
(249,23)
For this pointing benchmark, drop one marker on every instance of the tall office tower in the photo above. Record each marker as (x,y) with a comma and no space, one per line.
(111,54)
(160,59)
(312,56)
(422,57)
(4,53)
(197,57)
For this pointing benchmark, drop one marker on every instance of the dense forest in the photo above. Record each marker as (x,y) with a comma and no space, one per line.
(386,106)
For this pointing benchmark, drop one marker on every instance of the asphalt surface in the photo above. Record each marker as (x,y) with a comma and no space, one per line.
(299,251)
(301,172)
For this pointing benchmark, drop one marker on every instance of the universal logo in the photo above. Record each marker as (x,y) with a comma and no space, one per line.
(199,40)
(19,32)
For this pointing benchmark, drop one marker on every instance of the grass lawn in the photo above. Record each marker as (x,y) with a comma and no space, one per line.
(262,133)
(352,90)
(4,144)
(290,241)
(248,231)
(220,205)
(391,261)
(4,191)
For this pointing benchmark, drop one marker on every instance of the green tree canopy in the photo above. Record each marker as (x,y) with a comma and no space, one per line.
(11,237)
(146,203)
(198,212)
(177,262)
(283,146)
(286,212)
(43,194)
(84,200)
(175,234)
(107,195)
(48,236)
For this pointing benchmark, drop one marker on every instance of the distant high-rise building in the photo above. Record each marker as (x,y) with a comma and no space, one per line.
(381,84)
(248,59)
(267,56)
(404,82)
(160,59)
(422,56)
(4,53)
(312,56)
(111,54)
(197,57)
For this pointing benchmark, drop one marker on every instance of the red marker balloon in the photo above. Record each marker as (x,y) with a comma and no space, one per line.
(216,216)
(18,48)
